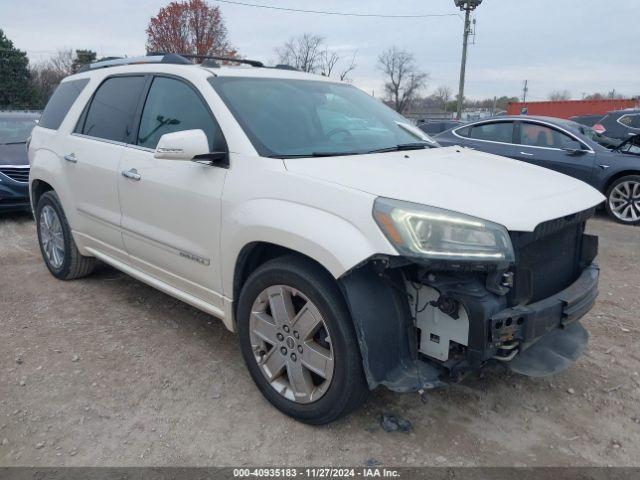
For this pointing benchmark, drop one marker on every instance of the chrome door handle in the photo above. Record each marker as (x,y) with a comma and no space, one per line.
(132,174)
(527,154)
(71,157)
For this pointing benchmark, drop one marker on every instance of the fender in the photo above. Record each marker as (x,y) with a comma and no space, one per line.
(330,240)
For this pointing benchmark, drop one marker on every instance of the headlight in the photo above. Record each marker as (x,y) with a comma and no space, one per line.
(433,233)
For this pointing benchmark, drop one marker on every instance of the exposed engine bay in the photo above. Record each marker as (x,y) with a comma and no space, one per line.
(433,324)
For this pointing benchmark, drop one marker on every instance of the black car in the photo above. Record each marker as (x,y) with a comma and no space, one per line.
(619,125)
(15,128)
(590,121)
(564,146)
(435,126)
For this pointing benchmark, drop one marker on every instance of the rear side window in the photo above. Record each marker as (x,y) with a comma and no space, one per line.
(60,103)
(110,114)
(494,132)
(173,106)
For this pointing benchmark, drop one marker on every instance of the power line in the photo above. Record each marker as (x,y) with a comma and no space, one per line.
(342,14)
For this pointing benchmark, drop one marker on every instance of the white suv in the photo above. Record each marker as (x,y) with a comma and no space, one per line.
(346,249)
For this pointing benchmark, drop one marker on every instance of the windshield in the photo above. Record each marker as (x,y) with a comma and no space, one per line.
(291,118)
(15,129)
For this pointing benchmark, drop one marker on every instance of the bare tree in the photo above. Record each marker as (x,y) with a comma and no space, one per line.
(348,68)
(443,95)
(404,80)
(328,62)
(62,62)
(46,75)
(308,53)
(304,52)
(560,95)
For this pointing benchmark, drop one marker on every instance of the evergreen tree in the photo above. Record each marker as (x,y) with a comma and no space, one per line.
(83,57)
(16,90)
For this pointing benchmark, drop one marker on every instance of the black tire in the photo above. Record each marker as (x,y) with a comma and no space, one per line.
(611,189)
(348,387)
(74,265)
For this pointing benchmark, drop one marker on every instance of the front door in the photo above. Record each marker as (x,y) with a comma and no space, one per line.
(551,148)
(171,208)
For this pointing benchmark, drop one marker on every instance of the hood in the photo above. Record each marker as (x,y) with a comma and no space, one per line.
(14,154)
(514,194)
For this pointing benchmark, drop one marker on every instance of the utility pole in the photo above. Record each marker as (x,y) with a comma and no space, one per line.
(468,6)
(525,89)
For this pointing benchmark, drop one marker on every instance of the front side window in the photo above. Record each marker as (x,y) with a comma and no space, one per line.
(173,106)
(535,135)
(110,115)
(494,132)
(60,103)
(288,117)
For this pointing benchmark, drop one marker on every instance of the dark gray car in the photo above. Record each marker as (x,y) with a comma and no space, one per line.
(560,145)
(15,128)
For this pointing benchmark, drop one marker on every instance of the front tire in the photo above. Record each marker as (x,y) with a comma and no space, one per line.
(623,200)
(298,341)
(57,246)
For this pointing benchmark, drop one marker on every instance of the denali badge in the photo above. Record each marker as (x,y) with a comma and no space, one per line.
(195,258)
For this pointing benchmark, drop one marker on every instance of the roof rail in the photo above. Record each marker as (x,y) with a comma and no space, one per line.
(155,58)
(253,63)
(209,61)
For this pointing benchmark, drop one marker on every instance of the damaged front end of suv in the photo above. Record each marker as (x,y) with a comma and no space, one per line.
(465,292)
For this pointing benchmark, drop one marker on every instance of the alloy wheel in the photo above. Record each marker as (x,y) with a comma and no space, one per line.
(291,344)
(51,236)
(624,201)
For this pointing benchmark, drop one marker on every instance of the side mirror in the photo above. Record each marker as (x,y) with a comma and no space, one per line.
(184,145)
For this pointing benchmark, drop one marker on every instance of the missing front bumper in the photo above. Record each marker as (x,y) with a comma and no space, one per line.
(540,338)
(554,352)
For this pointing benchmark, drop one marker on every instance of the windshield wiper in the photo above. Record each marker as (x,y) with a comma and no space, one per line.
(395,148)
(401,147)
(14,143)
(315,154)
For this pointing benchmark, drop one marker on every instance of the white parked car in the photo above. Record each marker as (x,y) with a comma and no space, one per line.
(343,246)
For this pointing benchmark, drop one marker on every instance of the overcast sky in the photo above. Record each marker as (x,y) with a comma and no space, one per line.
(579,45)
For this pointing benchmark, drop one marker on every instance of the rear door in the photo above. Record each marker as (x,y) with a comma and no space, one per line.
(171,208)
(549,147)
(92,156)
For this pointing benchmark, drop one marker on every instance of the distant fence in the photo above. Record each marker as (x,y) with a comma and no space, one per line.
(571,108)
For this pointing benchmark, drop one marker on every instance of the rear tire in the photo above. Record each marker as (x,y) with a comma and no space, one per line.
(57,246)
(316,320)
(623,200)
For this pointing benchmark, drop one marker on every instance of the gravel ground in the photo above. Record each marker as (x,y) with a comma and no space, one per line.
(107,371)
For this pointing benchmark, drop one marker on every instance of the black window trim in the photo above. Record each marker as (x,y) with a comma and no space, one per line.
(143,100)
(83,116)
